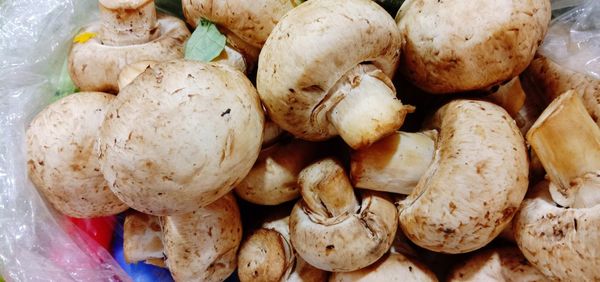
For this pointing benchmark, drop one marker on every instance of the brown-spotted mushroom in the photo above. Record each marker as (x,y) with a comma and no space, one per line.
(142,239)
(180,136)
(202,245)
(474,183)
(62,160)
(330,229)
(499,264)
(267,255)
(325,70)
(557,224)
(128,31)
(391,267)
(445,51)
(274,177)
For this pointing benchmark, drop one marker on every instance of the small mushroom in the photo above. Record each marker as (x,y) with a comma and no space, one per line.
(202,245)
(391,267)
(330,229)
(267,255)
(446,53)
(180,136)
(142,239)
(316,83)
(62,160)
(274,177)
(128,31)
(473,185)
(498,264)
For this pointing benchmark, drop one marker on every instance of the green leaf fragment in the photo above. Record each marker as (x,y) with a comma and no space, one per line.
(64,84)
(206,42)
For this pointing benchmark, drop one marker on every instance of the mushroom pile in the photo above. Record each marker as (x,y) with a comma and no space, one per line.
(326,140)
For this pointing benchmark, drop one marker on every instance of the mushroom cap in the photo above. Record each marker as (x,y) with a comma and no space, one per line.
(202,245)
(252,21)
(391,267)
(120,4)
(311,49)
(498,264)
(445,52)
(94,66)
(477,180)
(265,256)
(562,243)
(62,160)
(348,242)
(180,136)
(142,238)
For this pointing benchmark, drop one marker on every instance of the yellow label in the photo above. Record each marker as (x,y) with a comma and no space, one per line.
(83,37)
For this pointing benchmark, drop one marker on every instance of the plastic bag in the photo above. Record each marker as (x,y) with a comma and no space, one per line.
(34,242)
(573,39)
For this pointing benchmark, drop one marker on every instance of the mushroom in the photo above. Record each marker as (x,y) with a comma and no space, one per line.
(391,267)
(142,239)
(180,136)
(330,229)
(473,185)
(128,31)
(497,264)
(557,225)
(274,176)
(202,245)
(446,53)
(267,255)
(316,83)
(553,80)
(131,71)
(62,161)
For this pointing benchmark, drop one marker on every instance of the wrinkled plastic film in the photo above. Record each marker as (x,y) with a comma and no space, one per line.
(573,39)
(34,245)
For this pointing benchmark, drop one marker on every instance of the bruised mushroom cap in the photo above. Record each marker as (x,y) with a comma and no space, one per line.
(252,21)
(180,136)
(391,267)
(62,159)
(444,52)
(499,264)
(562,243)
(333,235)
(477,180)
(95,66)
(311,50)
(202,245)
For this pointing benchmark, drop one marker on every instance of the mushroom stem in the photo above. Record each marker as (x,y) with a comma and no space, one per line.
(509,96)
(567,142)
(395,163)
(368,109)
(326,189)
(128,22)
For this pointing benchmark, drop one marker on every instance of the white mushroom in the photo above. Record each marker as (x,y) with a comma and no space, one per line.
(128,31)
(316,83)
(330,229)
(62,160)
(391,267)
(180,136)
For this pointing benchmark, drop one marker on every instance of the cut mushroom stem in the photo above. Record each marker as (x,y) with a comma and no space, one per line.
(368,108)
(326,190)
(394,164)
(567,142)
(128,22)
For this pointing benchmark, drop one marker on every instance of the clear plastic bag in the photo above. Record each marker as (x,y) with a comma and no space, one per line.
(35,242)
(573,39)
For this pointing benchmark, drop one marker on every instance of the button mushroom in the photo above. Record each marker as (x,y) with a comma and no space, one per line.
(267,255)
(273,178)
(316,83)
(473,184)
(444,52)
(62,161)
(498,264)
(180,136)
(202,245)
(128,31)
(560,240)
(391,267)
(142,239)
(330,229)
